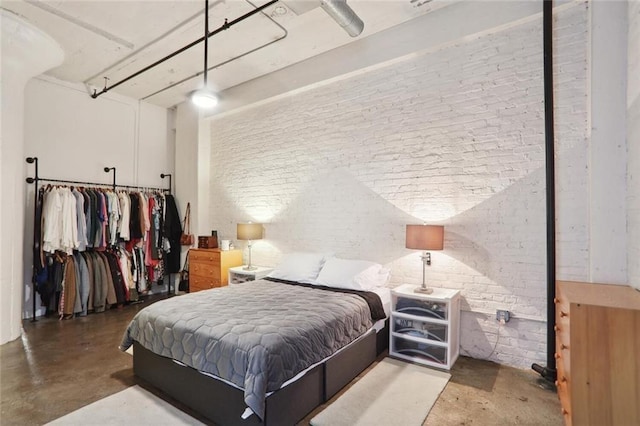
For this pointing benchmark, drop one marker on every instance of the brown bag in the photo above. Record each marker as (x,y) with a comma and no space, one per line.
(187,238)
(183,285)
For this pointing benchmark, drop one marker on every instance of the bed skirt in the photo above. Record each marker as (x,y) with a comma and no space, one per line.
(224,404)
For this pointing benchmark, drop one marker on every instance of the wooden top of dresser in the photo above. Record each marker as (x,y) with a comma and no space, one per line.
(609,295)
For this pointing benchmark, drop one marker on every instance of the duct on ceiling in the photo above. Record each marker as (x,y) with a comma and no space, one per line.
(342,13)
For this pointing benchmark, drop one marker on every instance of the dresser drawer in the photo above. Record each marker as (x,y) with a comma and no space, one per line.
(411,326)
(418,350)
(202,283)
(204,269)
(196,255)
(422,308)
(565,402)
(209,268)
(563,358)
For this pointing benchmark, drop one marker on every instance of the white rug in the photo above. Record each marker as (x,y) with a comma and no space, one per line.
(392,393)
(132,406)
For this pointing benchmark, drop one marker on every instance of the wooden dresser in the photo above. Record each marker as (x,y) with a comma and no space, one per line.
(598,353)
(209,268)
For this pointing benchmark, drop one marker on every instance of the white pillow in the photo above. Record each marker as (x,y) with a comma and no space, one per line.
(300,267)
(372,278)
(350,274)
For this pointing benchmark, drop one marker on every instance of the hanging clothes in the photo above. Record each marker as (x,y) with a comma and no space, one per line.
(135,230)
(68,297)
(97,248)
(83,283)
(172,231)
(81,221)
(125,214)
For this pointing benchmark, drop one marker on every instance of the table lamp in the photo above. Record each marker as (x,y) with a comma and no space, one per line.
(425,237)
(249,232)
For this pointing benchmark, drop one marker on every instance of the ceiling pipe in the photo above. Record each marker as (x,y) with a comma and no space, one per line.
(344,16)
(224,26)
(255,49)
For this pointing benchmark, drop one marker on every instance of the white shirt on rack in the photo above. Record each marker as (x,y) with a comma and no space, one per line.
(51,220)
(69,237)
(125,215)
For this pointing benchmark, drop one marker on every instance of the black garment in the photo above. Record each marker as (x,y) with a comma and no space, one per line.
(135,230)
(93,211)
(172,231)
(38,256)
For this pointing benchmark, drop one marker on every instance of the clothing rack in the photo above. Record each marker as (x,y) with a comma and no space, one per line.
(114,185)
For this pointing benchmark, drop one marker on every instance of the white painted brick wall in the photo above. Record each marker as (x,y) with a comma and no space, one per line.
(571,45)
(455,137)
(633,145)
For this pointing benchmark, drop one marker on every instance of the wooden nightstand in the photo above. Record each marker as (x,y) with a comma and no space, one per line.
(208,268)
(425,328)
(238,275)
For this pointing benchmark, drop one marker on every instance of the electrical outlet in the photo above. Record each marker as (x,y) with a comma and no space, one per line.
(503,316)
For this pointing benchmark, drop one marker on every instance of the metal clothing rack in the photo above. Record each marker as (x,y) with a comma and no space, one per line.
(114,185)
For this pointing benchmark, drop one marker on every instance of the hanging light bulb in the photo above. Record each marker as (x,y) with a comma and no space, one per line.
(205,98)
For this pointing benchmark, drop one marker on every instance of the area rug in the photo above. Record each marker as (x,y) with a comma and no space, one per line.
(392,393)
(132,406)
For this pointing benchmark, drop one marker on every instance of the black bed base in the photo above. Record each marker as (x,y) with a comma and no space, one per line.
(224,404)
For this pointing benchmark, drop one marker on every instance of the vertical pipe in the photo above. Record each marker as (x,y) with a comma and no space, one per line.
(164,175)
(35,238)
(549,372)
(206,40)
(550,181)
(107,170)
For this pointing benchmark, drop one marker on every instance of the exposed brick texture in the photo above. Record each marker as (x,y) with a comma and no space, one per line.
(453,136)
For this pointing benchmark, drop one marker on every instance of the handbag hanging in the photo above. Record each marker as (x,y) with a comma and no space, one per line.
(183,285)
(187,238)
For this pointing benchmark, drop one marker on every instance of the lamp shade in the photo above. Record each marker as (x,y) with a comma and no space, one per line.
(249,231)
(425,237)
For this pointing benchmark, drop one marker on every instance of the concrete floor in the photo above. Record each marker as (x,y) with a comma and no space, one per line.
(57,367)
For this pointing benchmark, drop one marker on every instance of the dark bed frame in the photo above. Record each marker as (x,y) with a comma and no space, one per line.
(224,404)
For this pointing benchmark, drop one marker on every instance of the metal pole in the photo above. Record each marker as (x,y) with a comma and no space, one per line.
(206,39)
(107,170)
(549,372)
(223,27)
(164,175)
(36,238)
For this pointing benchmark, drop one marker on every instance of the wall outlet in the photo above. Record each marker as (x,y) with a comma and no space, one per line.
(503,316)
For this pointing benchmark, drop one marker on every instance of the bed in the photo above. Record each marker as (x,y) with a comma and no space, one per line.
(262,352)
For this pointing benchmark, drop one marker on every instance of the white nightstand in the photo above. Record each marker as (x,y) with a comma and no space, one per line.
(425,328)
(237,275)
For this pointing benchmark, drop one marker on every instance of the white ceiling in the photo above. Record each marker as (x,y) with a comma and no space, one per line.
(115,39)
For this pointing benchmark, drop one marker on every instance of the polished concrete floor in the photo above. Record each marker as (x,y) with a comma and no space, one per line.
(57,367)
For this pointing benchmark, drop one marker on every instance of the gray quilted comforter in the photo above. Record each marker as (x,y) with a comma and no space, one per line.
(256,335)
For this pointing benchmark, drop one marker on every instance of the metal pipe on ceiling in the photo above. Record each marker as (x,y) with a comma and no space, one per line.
(223,27)
(342,13)
(255,49)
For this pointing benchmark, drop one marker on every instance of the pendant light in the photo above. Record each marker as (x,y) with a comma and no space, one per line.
(205,98)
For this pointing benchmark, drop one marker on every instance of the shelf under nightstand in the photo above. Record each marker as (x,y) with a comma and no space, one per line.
(239,275)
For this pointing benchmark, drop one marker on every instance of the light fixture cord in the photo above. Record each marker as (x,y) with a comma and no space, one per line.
(206,40)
